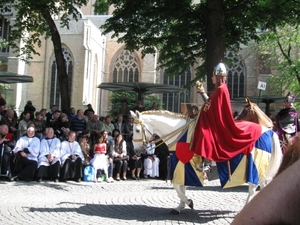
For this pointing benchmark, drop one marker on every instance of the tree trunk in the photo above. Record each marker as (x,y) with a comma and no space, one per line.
(215,47)
(60,62)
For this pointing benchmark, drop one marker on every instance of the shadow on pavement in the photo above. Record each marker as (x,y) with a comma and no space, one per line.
(140,213)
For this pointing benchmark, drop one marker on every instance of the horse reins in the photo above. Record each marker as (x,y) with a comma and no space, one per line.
(244,113)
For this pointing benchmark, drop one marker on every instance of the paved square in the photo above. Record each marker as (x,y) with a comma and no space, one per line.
(126,202)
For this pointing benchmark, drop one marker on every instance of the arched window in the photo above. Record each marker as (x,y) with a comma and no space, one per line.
(172,101)
(4,32)
(126,68)
(54,90)
(235,76)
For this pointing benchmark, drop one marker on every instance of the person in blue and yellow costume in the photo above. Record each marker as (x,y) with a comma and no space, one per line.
(218,137)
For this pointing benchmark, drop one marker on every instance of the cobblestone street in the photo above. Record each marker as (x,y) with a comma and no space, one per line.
(126,202)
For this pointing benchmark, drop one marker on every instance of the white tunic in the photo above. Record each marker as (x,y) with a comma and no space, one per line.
(68,149)
(151,168)
(49,146)
(33,145)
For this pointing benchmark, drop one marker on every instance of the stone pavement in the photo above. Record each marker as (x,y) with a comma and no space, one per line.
(146,201)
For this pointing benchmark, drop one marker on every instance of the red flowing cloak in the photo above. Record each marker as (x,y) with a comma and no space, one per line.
(217,136)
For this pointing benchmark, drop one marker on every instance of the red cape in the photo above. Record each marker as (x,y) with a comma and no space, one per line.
(217,136)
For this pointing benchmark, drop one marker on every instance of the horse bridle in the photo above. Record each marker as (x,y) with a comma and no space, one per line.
(246,111)
(144,130)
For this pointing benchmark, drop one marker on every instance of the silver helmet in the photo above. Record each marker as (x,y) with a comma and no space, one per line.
(220,70)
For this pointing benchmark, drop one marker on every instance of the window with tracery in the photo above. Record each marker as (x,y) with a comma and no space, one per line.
(172,101)
(55,98)
(235,76)
(4,32)
(126,68)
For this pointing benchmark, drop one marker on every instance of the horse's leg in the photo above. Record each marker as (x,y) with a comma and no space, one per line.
(251,191)
(180,189)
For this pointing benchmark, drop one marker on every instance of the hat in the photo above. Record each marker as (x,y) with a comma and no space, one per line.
(289,98)
(220,70)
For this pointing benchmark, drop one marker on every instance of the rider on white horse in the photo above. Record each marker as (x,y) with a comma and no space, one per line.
(217,136)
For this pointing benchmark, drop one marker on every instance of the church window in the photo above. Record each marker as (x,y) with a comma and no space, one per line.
(235,76)
(172,101)
(4,32)
(55,98)
(126,68)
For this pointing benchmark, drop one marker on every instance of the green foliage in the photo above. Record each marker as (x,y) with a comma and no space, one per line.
(4,86)
(116,99)
(282,48)
(3,43)
(30,24)
(180,30)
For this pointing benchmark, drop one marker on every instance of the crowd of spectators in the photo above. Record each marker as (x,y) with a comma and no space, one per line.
(58,146)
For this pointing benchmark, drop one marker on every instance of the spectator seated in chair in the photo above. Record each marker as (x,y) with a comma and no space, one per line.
(71,158)
(151,161)
(26,155)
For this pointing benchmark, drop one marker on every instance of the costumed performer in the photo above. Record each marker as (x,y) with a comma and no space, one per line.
(287,121)
(217,136)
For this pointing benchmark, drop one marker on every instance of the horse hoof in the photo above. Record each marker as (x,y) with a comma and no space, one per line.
(174,212)
(191,205)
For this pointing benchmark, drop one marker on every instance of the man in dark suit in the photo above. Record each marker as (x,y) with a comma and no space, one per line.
(121,126)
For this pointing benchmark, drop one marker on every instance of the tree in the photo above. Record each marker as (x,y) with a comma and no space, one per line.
(184,32)
(281,48)
(33,21)
(3,43)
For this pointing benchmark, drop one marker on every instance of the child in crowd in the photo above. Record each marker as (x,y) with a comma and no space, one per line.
(85,148)
(100,161)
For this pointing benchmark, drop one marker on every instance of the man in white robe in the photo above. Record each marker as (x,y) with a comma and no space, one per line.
(49,158)
(26,152)
(71,159)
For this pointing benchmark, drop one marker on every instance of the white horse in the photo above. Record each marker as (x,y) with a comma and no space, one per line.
(171,127)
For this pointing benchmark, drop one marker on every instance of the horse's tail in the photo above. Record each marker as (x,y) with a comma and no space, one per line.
(275,161)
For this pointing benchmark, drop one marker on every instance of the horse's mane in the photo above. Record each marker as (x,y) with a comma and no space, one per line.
(163,112)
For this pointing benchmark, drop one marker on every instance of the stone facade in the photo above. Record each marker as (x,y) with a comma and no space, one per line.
(93,56)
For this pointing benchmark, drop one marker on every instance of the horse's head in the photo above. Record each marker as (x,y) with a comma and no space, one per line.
(139,137)
(246,113)
(253,113)
(167,125)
